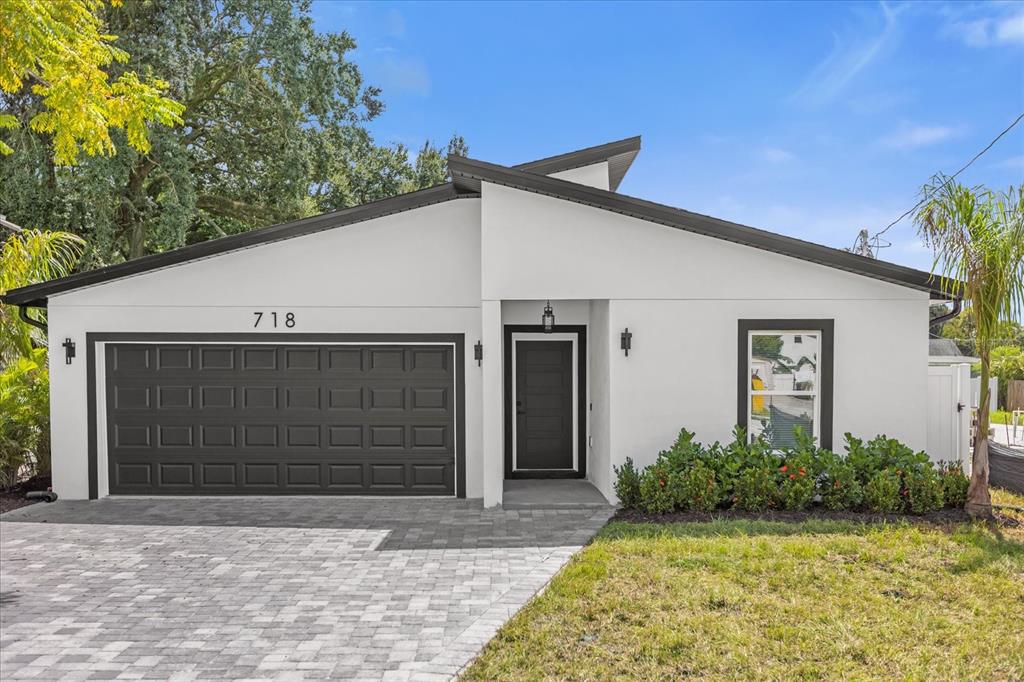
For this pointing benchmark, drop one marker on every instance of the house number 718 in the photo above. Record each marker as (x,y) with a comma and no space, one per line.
(272,321)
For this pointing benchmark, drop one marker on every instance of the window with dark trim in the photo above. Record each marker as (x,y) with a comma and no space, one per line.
(785,379)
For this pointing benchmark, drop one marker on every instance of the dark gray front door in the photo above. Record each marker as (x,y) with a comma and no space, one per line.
(287,419)
(544,428)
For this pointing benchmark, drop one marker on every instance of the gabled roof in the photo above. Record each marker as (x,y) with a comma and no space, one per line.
(618,154)
(468,174)
(36,294)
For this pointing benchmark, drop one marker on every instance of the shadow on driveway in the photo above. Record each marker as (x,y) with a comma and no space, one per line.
(404,523)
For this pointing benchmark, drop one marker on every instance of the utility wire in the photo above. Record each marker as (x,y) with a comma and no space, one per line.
(951,178)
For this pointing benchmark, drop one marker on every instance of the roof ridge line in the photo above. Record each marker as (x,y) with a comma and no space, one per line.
(689,221)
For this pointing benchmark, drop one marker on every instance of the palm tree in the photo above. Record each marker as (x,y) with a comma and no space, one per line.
(978,238)
(27,257)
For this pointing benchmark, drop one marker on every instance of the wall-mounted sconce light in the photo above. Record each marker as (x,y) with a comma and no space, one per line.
(627,341)
(548,319)
(478,354)
(69,351)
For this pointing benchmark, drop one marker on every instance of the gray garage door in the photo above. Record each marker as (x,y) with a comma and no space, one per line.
(287,419)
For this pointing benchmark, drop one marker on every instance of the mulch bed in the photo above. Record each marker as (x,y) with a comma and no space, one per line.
(13,498)
(943,517)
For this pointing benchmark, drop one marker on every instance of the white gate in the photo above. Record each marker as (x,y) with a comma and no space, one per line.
(949,413)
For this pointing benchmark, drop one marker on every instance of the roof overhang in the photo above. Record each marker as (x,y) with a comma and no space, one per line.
(619,155)
(36,295)
(469,174)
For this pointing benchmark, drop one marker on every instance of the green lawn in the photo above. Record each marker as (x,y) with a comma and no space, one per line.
(775,601)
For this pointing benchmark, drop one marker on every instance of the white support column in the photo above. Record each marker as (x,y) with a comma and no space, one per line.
(493,404)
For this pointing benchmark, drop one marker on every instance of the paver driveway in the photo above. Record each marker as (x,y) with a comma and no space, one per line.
(268,588)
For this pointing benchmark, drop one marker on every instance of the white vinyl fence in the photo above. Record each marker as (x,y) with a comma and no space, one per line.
(949,413)
(993,386)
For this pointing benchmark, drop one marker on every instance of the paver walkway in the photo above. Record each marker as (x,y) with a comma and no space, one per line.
(269,588)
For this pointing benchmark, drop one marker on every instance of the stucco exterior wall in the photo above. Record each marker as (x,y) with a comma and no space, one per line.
(599,424)
(471,266)
(413,272)
(539,247)
(682,371)
(682,295)
(595,175)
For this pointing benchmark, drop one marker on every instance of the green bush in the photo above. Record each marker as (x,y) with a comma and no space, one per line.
(756,489)
(881,475)
(697,488)
(796,487)
(24,417)
(882,492)
(658,489)
(922,491)
(881,453)
(954,484)
(839,487)
(627,484)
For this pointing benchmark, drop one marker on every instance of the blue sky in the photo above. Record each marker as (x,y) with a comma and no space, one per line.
(812,120)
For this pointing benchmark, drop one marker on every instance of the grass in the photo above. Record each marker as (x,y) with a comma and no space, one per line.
(999,417)
(776,601)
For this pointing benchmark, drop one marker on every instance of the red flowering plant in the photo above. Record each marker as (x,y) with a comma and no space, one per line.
(798,474)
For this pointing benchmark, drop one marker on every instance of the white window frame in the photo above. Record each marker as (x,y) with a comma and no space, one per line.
(751,392)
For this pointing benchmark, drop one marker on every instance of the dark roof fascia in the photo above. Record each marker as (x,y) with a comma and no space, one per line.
(467,174)
(37,294)
(619,153)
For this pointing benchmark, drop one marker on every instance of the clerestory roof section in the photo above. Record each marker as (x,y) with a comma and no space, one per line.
(469,174)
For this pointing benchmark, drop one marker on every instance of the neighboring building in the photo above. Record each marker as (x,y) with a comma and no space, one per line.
(337,354)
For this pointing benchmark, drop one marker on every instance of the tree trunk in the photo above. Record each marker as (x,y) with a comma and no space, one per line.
(979,504)
(129,217)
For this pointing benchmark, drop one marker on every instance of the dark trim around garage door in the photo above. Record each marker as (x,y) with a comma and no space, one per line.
(581,374)
(457,340)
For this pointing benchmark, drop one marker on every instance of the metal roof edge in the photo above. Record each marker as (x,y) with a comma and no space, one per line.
(467,174)
(37,294)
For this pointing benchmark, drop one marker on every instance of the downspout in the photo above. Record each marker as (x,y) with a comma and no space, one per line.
(23,314)
(957,303)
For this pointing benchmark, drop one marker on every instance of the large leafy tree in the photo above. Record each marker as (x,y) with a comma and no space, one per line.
(60,52)
(274,128)
(978,239)
(27,257)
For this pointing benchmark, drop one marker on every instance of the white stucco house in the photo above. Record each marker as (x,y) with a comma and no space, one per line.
(400,347)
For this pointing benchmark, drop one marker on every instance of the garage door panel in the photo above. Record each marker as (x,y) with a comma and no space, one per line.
(258,418)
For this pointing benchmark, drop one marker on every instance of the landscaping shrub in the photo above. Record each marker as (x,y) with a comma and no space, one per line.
(796,489)
(881,475)
(954,484)
(756,489)
(24,418)
(658,489)
(839,487)
(697,488)
(727,462)
(922,491)
(627,484)
(881,453)
(882,492)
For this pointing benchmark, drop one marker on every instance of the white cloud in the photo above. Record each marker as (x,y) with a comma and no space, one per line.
(1011,29)
(776,155)
(849,56)
(986,31)
(912,137)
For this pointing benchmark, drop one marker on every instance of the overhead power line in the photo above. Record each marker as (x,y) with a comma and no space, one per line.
(950,179)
